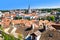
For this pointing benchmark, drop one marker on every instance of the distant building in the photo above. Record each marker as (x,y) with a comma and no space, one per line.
(1,14)
(54,12)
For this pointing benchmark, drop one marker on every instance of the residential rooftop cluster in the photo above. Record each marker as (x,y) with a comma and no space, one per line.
(31,23)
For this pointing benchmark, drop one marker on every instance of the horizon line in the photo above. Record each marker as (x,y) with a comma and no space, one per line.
(49,7)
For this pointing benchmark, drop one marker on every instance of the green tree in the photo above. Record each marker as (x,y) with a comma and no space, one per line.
(52,18)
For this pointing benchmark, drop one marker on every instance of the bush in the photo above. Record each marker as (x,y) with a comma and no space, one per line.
(8,37)
(50,18)
(16,18)
(1,28)
(20,37)
(28,18)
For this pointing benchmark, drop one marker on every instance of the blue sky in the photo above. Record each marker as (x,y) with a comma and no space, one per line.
(20,4)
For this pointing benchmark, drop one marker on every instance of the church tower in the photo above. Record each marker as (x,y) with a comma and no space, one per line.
(29,10)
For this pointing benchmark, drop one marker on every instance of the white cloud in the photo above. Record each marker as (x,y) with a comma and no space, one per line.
(46,7)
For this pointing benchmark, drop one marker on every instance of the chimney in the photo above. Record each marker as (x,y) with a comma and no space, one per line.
(33,26)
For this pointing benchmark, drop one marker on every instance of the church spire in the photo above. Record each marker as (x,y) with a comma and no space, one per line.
(29,10)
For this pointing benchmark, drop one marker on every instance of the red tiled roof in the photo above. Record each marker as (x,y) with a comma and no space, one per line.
(18,21)
(6,22)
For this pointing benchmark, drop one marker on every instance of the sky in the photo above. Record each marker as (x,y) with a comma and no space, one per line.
(23,4)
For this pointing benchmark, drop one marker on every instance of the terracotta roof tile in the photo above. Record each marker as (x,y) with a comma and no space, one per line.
(6,22)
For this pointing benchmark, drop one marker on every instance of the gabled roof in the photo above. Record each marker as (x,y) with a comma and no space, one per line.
(37,33)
